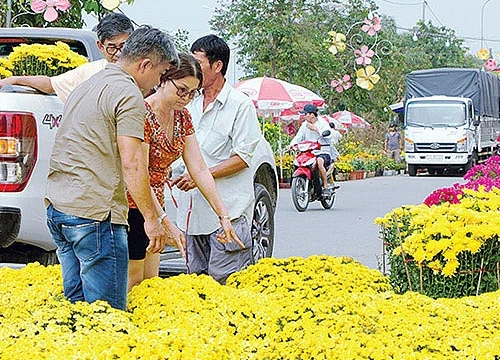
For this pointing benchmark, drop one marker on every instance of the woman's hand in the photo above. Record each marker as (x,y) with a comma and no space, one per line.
(228,234)
(174,235)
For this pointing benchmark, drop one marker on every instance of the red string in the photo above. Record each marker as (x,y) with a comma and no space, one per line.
(187,220)
(187,228)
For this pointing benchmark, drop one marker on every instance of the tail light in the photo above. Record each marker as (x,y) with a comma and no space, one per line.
(18,150)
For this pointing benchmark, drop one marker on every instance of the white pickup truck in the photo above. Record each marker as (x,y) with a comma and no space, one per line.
(28,124)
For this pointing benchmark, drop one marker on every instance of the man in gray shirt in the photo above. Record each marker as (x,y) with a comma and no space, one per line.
(393,144)
(97,155)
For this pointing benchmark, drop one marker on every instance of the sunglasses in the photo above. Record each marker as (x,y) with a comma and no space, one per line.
(112,49)
(183,92)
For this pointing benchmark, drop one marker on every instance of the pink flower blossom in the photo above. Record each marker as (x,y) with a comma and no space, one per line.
(371,27)
(486,175)
(364,55)
(342,84)
(439,196)
(49,6)
(490,64)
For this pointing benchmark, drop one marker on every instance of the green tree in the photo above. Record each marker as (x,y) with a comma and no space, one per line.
(288,39)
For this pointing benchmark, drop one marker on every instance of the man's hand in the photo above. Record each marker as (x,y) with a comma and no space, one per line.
(156,234)
(228,234)
(6,81)
(184,182)
(312,127)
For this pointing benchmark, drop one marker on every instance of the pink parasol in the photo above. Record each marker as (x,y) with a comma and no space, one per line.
(270,94)
(349,119)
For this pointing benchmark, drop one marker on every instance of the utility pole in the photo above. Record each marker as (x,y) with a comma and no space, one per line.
(424,4)
(8,18)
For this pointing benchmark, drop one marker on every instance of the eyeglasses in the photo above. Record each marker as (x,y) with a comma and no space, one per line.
(183,92)
(112,49)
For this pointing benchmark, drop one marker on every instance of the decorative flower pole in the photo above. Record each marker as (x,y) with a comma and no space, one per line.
(49,8)
(366,49)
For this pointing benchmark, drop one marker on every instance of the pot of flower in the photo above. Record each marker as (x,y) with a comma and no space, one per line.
(344,168)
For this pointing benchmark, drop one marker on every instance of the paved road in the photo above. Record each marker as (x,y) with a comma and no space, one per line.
(348,228)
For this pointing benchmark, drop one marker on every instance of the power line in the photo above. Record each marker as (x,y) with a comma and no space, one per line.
(398,3)
(433,13)
(446,36)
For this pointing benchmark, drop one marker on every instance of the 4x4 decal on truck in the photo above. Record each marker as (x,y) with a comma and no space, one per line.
(51,120)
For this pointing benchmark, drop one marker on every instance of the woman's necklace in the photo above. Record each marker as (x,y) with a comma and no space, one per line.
(165,118)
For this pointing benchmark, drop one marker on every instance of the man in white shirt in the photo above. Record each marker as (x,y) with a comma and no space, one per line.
(312,129)
(112,32)
(228,132)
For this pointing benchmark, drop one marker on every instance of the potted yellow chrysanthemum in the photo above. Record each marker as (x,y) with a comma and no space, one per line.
(41,59)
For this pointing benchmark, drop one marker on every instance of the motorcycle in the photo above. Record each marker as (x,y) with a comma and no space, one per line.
(307,185)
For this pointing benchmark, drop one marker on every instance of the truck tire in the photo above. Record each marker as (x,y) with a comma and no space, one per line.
(412,170)
(471,163)
(262,228)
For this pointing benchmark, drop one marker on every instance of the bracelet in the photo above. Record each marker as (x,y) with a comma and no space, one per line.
(224,217)
(163,216)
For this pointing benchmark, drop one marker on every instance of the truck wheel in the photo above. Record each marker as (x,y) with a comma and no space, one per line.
(471,163)
(412,170)
(263,224)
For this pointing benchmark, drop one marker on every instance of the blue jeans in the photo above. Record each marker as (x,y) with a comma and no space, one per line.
(94,258)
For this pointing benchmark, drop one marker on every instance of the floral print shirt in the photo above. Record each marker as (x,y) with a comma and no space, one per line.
(162,152)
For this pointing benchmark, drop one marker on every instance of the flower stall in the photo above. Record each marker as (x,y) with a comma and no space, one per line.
(449,245)
(316,308)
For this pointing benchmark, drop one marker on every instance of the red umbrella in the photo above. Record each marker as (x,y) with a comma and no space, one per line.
(349,119)
(271,95)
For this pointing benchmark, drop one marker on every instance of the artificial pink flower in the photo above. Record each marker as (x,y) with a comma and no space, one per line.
(342,84)
(490,64)
(371,27)
(49,6)
(364,55)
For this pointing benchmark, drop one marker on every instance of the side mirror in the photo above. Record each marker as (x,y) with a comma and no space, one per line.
(476,121)
(326,133)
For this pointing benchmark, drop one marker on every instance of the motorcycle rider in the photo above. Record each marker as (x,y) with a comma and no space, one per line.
(312,129)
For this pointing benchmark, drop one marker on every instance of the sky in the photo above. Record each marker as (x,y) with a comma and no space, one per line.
(464,16)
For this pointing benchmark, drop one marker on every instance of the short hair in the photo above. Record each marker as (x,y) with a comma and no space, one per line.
(188,66)
(215,49)
(149,42)
(113,24)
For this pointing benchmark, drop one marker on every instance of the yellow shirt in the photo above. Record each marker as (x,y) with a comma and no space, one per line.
(65,83)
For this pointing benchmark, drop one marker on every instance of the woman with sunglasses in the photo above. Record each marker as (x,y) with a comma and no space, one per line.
(169,134)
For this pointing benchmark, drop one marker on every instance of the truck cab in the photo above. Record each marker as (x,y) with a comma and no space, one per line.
(452,118)
(439,132)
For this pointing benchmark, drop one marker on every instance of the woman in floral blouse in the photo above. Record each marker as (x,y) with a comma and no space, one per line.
(169,134)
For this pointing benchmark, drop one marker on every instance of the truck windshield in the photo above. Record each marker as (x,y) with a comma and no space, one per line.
(436,113)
